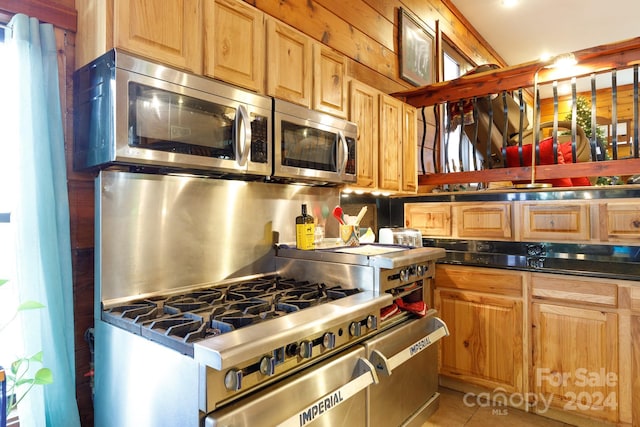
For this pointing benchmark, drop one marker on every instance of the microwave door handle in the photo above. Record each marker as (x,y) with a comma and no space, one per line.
(387,365)
(366,376)
(344,153)
(243,135)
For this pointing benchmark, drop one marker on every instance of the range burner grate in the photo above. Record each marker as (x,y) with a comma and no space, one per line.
(179,320)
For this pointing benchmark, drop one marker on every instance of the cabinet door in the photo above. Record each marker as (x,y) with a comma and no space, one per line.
(289,65)
(363,102)
(489,220)
(167,31)
(555,221)
(575,359)
(329,85)
(234,43)
(390,143)
(432,219)
(620,221)
(409,149)
(485,342)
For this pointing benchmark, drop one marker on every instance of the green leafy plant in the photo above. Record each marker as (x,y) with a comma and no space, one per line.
(583,119)
(19,381)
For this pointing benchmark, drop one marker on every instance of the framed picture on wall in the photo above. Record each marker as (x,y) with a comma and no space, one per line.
(417,50)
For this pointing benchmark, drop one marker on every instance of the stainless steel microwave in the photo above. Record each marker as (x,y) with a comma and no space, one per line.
(131,111)
(312,146)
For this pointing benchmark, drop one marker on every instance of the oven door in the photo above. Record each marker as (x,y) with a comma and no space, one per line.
(406,359)
(331,393)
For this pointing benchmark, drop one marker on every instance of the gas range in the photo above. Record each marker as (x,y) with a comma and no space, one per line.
(178,320)
(191,327)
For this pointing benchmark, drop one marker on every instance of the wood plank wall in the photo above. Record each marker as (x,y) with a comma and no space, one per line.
(364,30)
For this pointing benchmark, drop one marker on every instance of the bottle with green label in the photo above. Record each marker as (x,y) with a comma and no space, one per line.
(305,230)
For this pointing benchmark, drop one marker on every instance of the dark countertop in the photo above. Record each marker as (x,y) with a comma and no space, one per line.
(619,269)
(606,261)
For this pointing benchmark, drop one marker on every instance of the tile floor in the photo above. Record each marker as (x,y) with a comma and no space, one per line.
(453,412)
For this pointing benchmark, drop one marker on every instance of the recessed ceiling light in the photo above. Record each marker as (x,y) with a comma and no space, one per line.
(509,3)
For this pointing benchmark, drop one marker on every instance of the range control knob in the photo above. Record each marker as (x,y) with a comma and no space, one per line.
(329,340)
(421,270)
(233,380)
(291,349)
(305,349)
(372,322)
(268,365)
(404,274)
(355,329)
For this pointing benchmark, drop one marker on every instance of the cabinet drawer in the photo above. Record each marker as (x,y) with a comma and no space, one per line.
(555,221)
(620,221)
(574,289)
(430,218)
(490,220)
(480,279)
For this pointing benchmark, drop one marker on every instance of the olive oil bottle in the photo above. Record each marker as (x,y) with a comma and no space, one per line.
(305,230)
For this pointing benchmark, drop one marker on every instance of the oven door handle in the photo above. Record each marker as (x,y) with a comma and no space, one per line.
(366,375)
(387,365)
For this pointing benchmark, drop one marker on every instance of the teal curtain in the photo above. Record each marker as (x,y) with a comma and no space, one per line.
(42,221)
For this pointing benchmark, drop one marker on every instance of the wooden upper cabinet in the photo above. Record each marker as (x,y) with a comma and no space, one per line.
(473,220)
(555,221)
(234,43)
(168,31)
(620,220)
(363,110)
(490,220)
(390,143)
(387,135)
(409,149)
(432,219)
(290,63)
(329,81)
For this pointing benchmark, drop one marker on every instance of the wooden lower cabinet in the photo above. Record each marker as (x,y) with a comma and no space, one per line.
(483,309)
(635,369)
(485,342)
(575,359)
(565,346)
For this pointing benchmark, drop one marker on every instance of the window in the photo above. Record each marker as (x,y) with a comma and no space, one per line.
(10,338)
(458,154)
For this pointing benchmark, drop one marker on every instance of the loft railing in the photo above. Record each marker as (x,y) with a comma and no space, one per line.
(610,75)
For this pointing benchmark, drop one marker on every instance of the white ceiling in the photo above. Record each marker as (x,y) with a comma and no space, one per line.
(531,28)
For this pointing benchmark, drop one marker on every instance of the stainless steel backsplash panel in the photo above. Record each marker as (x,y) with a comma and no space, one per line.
(157,233)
